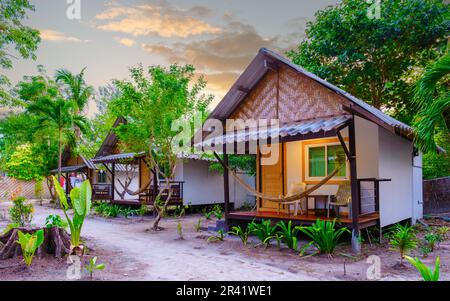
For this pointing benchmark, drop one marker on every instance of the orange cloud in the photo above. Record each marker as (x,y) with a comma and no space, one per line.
(55,36)
(162,20)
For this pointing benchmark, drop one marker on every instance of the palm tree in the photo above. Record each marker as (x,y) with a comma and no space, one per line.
(432,98)
(76,88)
(59,114)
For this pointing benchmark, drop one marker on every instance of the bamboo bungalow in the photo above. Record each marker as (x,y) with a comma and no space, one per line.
(126,179)
(381,181)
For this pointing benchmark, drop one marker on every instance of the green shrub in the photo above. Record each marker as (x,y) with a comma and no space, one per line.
(288,234)
(324,235)
(239,232)
(142,210)
(198,225)
(180,231)
(264,231)
(426,272)
(217,211)
(207,213)
(402,239)
(54,220)
(431,239)
(127,212)
(29,244)
(93,266)
(21,212)
(219,237)
(38,190)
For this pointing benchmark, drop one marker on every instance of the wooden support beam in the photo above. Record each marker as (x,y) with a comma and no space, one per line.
(113,180)
(226,184)
(354,186)
(344,146)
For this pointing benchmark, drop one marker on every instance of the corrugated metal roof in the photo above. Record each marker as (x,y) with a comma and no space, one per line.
(116,157)
(291,129)
(257,69)
(73,168)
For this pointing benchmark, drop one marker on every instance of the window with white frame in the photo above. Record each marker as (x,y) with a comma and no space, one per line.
(323,159)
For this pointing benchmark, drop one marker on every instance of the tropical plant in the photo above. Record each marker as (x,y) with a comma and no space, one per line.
(143,209)
(426,272)
(431,239)
(24,163)
(93,266)
(112,210)
(425,249)
(264,231)
(38,189)
(241,233)
(180,230)
(75,88)
(21,212)
(9,227)
(81,201)
(54,220)
(215,238)
(443,232)
(402,239)
(217,211)
(288,234)
(29,244)
(128,211)
(100,207)
(432,98)
(57,113)
(207,213)
(198,225)
(324,235)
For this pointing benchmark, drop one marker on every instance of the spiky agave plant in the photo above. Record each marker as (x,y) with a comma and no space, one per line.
(264,231)
(241,233)
(324,235)
(403,239)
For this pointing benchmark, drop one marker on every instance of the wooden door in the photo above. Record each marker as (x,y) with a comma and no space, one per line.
(272,180)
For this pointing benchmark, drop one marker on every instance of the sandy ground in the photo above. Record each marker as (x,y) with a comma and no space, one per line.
(133,253)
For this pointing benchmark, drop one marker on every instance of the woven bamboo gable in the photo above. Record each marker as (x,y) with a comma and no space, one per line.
(289,96)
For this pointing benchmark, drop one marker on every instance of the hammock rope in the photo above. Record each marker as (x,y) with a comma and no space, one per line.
(280,198)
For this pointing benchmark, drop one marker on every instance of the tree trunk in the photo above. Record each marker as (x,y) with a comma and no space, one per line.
(56,242)
(60,155)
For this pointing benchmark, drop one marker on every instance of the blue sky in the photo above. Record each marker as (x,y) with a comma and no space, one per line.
(219,37)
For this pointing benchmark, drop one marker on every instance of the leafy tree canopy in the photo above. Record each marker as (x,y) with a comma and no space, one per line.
(375,59)
(15,35)
(25,163)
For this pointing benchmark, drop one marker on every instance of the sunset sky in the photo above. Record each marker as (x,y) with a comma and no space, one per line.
(219,37)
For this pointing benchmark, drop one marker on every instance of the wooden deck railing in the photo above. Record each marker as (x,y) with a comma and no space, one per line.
(102,191)
(176,198)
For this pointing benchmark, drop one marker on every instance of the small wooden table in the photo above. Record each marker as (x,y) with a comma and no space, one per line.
(315,196)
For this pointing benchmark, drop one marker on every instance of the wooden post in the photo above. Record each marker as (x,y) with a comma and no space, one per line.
(354,186)
(67,184)
(226,187)
(113,180)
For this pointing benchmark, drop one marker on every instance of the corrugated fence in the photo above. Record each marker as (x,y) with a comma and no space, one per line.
(10,186)
(436,196)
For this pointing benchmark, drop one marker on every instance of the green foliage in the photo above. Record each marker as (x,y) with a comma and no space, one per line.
(21,212)
(81,201)
(431,239)
(443,232)
(427,273)
(246,163)
(93,266)
(180,231)
(75,87)
(432,98)
(54,220)
(264,231)
(375,59)
(152,103)
(402,239)
(38,189)
(29,244)
(128,211)
(15,35)
(437,165)
(207,213)
(241,233)
(425,249)
(143,209)
(324,235)
(217,211)
(288,234)
(9,227)
(215,238)
(24,164)
(198,225)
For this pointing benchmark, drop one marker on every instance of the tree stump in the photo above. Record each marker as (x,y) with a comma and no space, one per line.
(56,242)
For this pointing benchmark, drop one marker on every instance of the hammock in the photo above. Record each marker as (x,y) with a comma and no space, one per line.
(281,198)
(139,191)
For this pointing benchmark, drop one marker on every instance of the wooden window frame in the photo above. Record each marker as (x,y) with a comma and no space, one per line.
(305,166)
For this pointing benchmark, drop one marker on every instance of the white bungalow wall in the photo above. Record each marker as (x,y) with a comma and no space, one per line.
(395,163)
(203,187)
(134,186)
